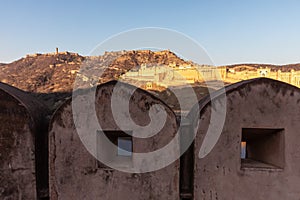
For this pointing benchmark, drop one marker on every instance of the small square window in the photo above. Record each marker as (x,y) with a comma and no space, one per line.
(262,148)
(121,151)
(124,146)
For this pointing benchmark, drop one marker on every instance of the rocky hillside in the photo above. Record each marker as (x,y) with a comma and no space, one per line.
(46,73)
(40,73)
(51,76)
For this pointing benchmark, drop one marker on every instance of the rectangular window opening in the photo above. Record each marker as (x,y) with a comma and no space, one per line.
(262,148)
(118,151)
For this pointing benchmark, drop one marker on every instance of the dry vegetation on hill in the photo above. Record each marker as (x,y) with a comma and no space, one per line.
(46,73)
(51,76)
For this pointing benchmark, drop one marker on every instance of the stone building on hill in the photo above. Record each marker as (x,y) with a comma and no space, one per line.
(288,74)
(173,75)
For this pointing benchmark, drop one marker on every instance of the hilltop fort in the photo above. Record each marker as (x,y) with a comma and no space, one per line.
(51,76)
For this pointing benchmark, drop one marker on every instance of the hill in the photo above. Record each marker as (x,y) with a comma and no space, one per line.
(51,76)
(283,68)
(46,73)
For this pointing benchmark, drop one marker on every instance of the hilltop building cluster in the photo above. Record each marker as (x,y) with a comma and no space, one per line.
(175,75)
(172,75)
(244,72)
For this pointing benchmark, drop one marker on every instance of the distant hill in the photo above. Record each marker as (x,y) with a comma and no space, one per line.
(283,68)
(45,73)
(51,76)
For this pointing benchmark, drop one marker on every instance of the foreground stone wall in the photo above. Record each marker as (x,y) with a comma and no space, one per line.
(261,112)
(259,105)
(76,174)
(17,176)
(21,127)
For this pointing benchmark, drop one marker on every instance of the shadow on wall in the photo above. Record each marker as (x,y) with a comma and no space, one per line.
(23,145)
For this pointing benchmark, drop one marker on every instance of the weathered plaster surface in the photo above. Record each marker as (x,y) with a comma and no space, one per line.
(261,103)
(17,161)
(74,173)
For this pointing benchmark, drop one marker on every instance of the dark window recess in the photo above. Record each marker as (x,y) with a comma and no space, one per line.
(122,150)
(262,148)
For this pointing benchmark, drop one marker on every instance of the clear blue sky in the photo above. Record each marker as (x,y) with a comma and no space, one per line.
(255,31)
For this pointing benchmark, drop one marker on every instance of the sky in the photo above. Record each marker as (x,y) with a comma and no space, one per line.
(256,31)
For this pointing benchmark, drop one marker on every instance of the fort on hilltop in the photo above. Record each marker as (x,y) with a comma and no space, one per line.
(57,52)
(172,74)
